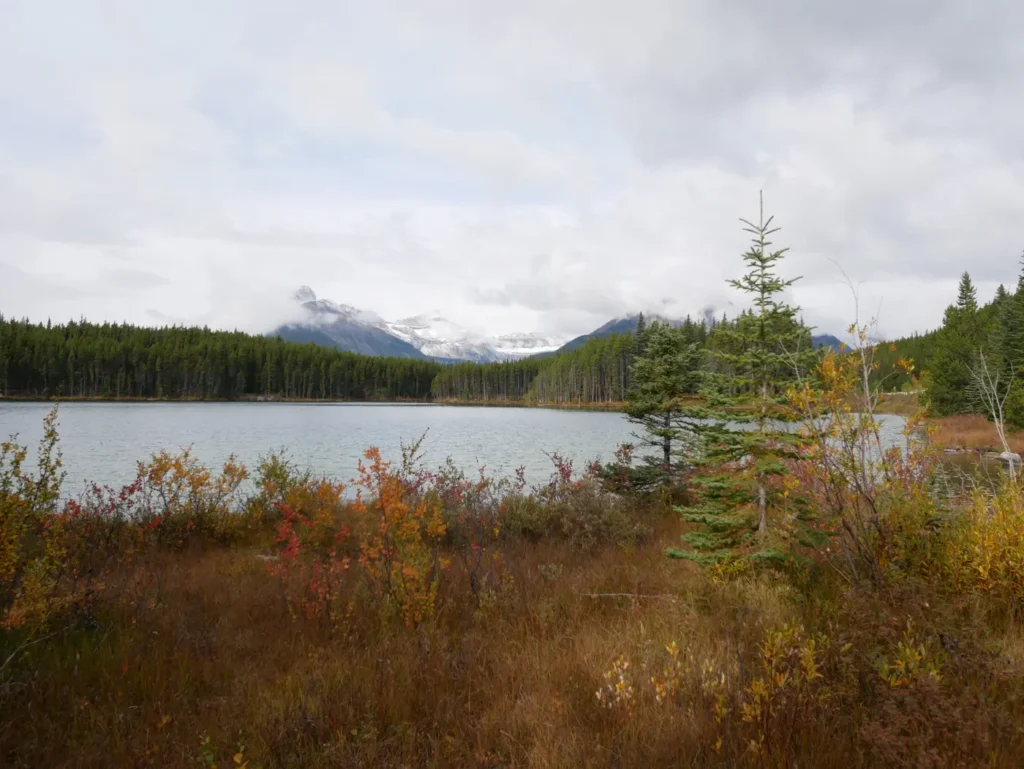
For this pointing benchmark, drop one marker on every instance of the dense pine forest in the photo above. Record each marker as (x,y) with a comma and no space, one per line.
(87,360)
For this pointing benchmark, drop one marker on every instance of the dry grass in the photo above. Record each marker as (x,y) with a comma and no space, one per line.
(616,406)
(208,666)
(901,404)
(973,433)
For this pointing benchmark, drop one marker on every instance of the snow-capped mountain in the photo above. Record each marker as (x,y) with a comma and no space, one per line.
(515,346)
(429,335)
(437,337)
(344,327)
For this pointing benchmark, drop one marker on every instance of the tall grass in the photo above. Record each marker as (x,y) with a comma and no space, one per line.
(972,432)
(445,619)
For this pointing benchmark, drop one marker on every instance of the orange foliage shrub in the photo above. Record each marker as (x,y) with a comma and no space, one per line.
(181,498)
(311,562)
(400,536)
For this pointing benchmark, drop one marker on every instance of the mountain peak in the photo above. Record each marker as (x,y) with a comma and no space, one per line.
(429,334)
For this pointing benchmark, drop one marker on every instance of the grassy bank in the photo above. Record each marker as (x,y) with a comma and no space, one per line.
(900,404)
(972,432)
(615,406)
(963,432)
(442,619)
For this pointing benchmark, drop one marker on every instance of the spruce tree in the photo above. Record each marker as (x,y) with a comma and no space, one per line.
(741,443)
(949,389)
(663,378)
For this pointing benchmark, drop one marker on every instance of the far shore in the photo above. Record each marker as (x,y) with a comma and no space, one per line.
(494,403)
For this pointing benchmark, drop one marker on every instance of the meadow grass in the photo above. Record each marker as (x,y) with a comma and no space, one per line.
(446,620)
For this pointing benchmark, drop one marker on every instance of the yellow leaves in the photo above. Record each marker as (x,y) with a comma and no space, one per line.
(33,551)
(184,497)
(402,533)
(914,661)
(618,691)
(985,551)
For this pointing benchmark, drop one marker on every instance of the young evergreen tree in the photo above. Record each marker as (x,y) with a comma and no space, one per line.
(664,377)
(742,444)
(949,389)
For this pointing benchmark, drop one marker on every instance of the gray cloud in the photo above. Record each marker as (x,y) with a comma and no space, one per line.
(529,165)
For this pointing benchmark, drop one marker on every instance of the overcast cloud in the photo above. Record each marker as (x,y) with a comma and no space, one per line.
(529,165)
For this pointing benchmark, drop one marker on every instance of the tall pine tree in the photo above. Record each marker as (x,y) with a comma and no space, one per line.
(950,383)
(742,444)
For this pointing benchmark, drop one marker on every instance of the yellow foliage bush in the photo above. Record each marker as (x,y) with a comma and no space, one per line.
(985,548)
(400,537)
(33,552)
(182,498)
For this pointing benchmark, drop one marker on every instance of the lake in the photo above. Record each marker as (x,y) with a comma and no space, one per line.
(101,442)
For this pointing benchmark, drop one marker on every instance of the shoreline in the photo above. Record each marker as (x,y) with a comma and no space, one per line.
(887,405)
(615,406)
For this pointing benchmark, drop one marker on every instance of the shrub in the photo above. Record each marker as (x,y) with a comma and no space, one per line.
(182,499)
(400,533)
(574,509)
(985,548)
(34,558)
(473,513)
(311,561)
(276,476)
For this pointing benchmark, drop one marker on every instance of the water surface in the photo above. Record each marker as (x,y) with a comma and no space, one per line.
(102,442)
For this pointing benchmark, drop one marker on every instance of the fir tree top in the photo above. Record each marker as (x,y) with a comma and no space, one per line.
(967,297)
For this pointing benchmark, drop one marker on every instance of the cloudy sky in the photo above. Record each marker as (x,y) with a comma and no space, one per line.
(528,165)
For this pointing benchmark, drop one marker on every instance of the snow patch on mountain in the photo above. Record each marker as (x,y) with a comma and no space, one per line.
(437,337)
(522,345)
(431,333)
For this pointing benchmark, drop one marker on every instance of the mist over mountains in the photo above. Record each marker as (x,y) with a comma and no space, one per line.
(426,336)
(431,336)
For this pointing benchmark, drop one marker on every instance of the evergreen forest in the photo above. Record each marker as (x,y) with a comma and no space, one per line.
(121,361)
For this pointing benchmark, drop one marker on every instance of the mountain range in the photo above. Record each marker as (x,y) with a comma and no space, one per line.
(431,336)
(426,336)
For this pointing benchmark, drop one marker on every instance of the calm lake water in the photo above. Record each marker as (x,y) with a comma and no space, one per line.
(102,442)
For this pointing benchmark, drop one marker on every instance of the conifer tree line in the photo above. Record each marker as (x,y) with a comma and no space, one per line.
(597,371)
(972,335)
(122,361)
(81,359)
(945,359)
(87,360)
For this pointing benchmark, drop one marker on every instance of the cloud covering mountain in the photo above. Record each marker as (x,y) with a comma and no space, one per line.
(423,336)
(529,165)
